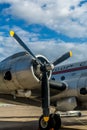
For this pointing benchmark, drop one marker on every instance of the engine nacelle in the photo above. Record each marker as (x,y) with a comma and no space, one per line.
(19,72)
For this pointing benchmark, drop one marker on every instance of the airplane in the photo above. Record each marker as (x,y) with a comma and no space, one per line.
(30,76)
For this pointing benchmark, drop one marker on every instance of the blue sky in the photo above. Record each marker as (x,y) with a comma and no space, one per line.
(48,27)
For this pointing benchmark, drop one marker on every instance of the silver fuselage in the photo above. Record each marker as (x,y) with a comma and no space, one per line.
(75,75)
(17,77)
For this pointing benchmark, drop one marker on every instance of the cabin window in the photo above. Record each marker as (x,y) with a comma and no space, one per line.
(8,75)
(53,78)
(83,91)
(62,78)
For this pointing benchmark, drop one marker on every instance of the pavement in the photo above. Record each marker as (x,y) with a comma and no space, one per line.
(25,117)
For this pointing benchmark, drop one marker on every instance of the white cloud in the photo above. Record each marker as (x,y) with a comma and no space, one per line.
(51,49)
(63,16)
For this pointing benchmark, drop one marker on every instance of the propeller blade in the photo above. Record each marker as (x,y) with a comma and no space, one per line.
(13,34)
(45,91)
(62,58)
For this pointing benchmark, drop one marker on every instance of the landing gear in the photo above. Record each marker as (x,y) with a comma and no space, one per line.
(54,122)
(43,125)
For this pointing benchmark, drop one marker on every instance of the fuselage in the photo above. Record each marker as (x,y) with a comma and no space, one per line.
(75,75)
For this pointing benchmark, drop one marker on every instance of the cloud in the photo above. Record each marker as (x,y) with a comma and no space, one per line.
(52,49)
(64,16)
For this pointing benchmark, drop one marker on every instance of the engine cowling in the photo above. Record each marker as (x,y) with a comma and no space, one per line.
(20,72)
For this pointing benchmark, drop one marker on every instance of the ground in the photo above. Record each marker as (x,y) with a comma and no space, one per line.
(25,117)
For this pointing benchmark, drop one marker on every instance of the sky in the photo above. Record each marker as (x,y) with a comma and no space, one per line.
(48,27)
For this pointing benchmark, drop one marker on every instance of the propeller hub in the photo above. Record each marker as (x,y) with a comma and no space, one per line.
(49,67)
(38,68)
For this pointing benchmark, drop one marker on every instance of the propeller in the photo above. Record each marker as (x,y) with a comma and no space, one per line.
(13,34)
(48,66)
(62,58)
(17,38)
(44,68)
